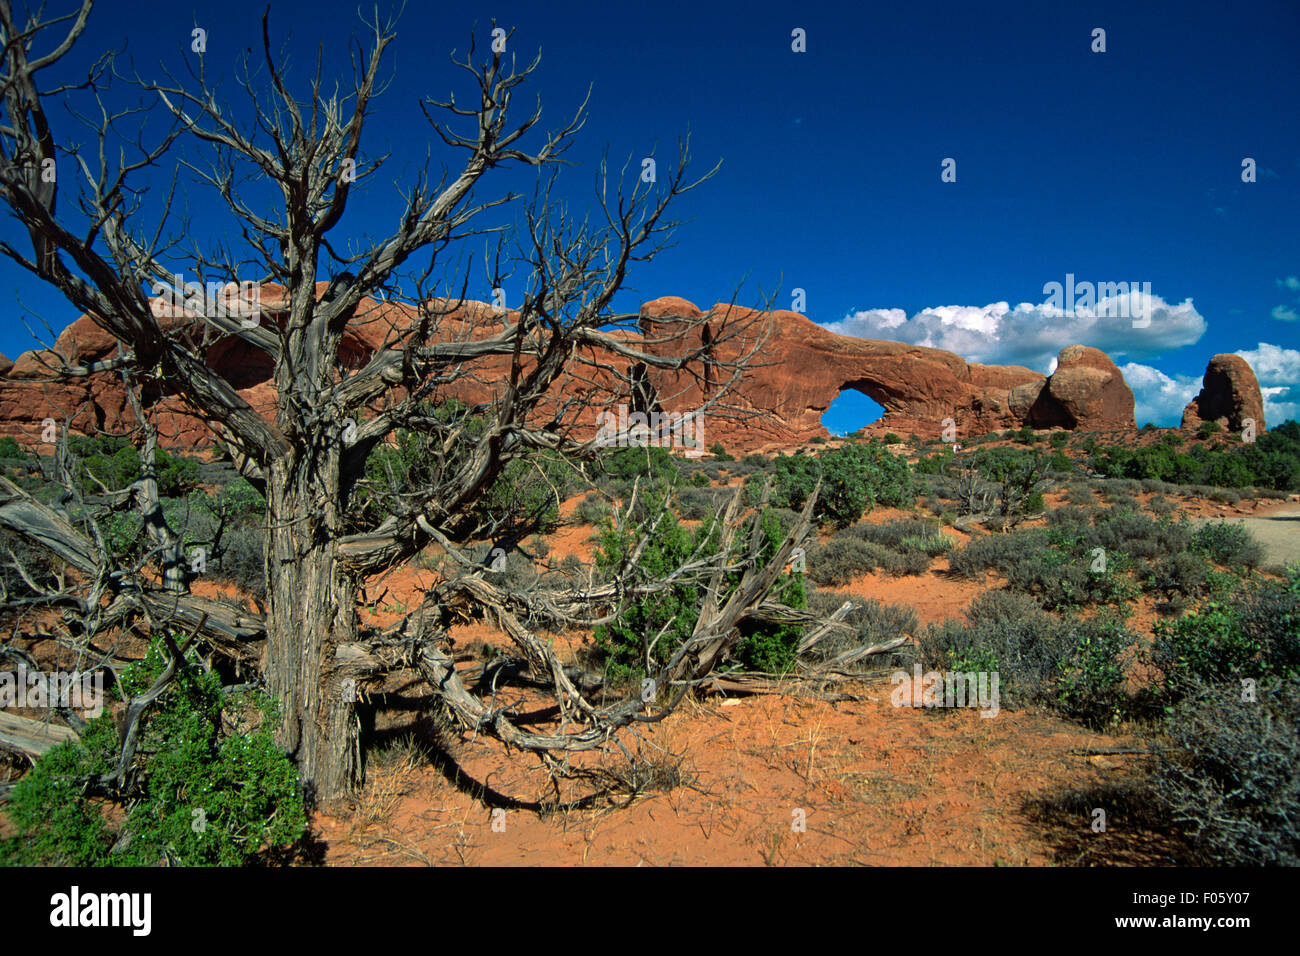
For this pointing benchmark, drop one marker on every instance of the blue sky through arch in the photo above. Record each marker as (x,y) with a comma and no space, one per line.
(850,411)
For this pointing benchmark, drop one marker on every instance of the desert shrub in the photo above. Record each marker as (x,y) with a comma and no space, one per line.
(1016,646)
(892,439)
(1138,535)
(1208,428)
(905,563)
(519,571)
(1123,502)
(995,552)
(650,628)
(1079,493)
(1058,566)
(1120,486)
(1183,575)
(695,504)
(1228,771)
(1071,516)
(891,534)
(1156,487)
(1229,544)
(1062,579)
(202,796)
(241,561)
(1227,496)
(699,479)
(1090,683)
(843,558)
(719,453)
(592,509)
(1253,634)
(229,526)
(1160,506)
(1074,667)
(870,622)
(855,477)
(754,460)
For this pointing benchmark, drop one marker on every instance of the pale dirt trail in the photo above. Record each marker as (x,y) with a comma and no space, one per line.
(1278,532)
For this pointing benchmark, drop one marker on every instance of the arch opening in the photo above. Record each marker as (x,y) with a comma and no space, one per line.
(851,410)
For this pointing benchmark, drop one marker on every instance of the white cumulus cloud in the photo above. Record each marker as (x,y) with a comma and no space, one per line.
(1278,371)
(1158,397)
(1032,335)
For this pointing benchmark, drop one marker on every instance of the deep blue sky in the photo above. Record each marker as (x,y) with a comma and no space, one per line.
(1118,166)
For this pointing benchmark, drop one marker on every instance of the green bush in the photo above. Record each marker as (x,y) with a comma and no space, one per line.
(1071,666)
(201,797)
(856,477)
(719,452)
(843,558)
(1090,682)
(1229,544)
(649,628)
(1272,461)
(1252,634)
(112,462)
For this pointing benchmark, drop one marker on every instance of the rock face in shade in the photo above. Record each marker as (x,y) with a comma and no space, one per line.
(1229,396)
(799,369)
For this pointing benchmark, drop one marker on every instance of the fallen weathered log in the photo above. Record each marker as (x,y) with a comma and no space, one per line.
(31,737)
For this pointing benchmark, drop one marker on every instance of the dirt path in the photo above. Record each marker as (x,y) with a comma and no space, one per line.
(1278,532)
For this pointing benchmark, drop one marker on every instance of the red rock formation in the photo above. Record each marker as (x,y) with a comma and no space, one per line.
(798,370)
(1087,391)
(1229,395)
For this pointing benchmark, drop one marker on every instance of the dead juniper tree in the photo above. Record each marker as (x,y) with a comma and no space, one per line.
(483,387)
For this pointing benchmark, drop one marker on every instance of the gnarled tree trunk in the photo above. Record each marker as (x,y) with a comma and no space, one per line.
(311,611)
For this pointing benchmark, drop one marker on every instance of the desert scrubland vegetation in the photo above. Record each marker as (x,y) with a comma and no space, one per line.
(1107,601)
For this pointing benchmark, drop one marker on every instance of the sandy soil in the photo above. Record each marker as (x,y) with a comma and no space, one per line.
(764,780)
